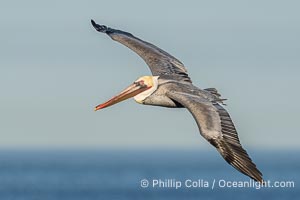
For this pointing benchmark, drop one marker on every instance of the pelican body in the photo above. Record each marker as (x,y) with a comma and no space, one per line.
(170,86)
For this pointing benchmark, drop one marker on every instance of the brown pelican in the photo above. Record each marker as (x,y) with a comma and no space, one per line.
(170,86)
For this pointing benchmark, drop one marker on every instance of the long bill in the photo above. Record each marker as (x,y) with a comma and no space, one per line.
(131,91)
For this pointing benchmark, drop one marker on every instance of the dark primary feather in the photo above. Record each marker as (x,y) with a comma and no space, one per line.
(160,62)
(216,126)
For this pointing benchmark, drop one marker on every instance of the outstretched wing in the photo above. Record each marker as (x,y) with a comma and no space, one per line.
(216,126)
(160,62)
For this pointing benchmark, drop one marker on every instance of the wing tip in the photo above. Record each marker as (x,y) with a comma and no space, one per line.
(99,28)
(93,22)
(256,175)
(239,159)
(248,168)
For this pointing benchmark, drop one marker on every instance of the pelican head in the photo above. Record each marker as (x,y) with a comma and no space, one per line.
(140,90)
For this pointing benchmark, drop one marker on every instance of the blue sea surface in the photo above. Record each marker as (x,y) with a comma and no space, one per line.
(106,174)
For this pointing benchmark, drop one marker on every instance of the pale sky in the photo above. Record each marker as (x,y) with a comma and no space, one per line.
(55,68)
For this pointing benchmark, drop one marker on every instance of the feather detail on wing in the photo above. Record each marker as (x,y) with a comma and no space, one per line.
(160,62)
(216,126)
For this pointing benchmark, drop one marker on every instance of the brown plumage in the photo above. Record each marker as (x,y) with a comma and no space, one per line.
(175,89)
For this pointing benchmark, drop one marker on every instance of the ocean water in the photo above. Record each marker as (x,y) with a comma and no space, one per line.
(105,174)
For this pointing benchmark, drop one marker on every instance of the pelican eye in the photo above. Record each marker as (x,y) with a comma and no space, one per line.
(140,83)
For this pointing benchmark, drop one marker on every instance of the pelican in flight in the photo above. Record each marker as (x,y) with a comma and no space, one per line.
(170,86)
